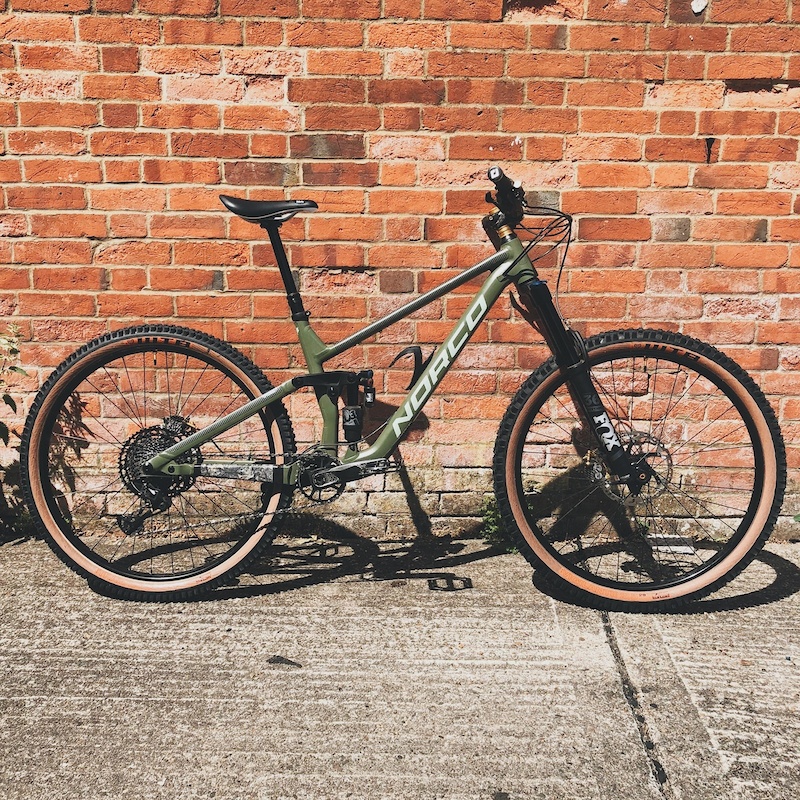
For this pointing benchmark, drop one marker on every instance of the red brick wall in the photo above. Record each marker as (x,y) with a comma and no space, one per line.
(671,137)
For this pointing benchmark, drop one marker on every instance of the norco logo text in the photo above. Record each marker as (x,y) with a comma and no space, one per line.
(439,366)
(606,432)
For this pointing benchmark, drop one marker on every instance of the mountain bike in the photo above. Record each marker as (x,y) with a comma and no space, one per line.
(638,468)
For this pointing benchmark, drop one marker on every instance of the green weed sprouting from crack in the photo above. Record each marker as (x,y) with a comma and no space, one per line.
(492,529)
(13,518)
(9,351)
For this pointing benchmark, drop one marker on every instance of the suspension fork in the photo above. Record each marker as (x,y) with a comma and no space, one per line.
(570,354)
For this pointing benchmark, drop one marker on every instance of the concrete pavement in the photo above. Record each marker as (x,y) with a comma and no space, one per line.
(347,668)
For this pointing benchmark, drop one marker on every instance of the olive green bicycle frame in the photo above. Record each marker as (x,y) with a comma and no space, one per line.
(509,264)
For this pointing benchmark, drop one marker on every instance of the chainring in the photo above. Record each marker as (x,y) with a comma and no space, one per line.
(315,480)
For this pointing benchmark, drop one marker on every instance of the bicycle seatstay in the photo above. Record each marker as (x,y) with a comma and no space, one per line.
(223,424)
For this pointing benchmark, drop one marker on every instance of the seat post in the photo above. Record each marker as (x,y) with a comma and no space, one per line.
(292,295)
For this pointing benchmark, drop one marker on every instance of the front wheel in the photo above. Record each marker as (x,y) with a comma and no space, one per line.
(103,414)
(714,453)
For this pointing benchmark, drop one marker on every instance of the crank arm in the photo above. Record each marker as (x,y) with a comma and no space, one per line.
(354,472)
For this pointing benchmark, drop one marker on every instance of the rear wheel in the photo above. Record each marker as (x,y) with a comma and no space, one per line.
(111,407)
(716,459)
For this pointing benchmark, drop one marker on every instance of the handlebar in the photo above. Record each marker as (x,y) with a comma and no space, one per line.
(508,197)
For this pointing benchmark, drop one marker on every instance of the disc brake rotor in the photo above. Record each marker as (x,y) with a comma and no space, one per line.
(640,447)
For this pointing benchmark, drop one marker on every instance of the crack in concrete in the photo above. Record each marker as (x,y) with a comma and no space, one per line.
(633,699)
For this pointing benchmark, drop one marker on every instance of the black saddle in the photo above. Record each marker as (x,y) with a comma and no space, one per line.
(262,211)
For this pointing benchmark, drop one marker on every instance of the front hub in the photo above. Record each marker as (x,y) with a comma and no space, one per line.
(652,465)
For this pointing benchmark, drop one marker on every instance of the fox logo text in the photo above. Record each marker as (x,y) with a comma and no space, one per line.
(606,432)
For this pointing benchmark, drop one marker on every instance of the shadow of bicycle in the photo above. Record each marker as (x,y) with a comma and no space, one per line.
(768,579)
(586,526)
(315,551)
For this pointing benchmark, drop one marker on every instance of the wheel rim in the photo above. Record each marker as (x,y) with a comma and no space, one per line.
(110,413)
(700,504)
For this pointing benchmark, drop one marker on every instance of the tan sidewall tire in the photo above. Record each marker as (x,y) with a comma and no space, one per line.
(702,581)
(75,555)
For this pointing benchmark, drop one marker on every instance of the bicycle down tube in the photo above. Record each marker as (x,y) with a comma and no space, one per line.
(513,265)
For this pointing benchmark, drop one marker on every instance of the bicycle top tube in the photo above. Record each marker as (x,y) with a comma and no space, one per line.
(488,264)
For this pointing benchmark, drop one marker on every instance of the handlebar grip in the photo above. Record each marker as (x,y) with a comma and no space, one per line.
(509,198)
(501,181)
